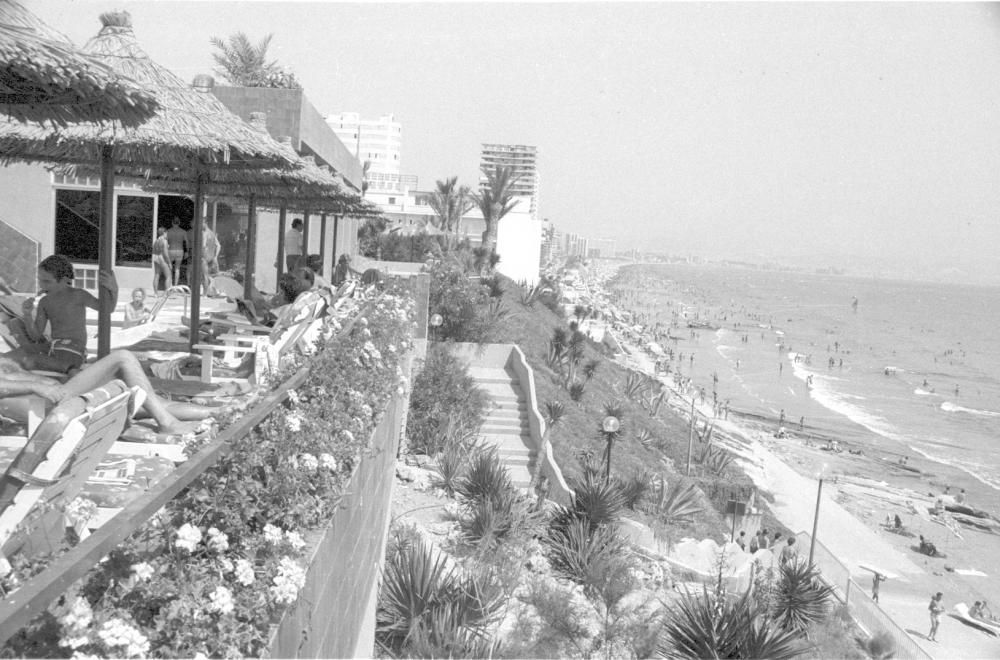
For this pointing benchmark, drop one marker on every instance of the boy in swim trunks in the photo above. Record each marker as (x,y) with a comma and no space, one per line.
(64,308)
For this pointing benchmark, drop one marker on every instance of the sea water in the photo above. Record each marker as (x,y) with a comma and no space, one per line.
(912,367)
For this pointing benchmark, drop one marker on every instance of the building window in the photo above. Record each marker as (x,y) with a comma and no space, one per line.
(77,224)
(134,231)
(392,200)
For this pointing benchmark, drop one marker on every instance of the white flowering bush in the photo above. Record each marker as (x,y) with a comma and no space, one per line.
(211,573)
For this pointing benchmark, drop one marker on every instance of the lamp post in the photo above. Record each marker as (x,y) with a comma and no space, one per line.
(819,492)
(435,322)
(610,427)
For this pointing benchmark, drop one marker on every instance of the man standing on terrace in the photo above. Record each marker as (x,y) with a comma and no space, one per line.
(293,246)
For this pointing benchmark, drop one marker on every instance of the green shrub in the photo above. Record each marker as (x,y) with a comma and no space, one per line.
(446,406)
(880,645)
(463,303)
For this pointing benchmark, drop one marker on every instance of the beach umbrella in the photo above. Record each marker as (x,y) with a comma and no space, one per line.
(192,132)
(45,78)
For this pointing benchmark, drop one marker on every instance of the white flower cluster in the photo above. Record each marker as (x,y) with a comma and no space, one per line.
(346,436)
(244,572)
(221,601)
(295,540)
(293,422)
(328,462)
(74,620)
(273,534)
(81,510)
(308,462)
(226,565)
(116,633)
(290,578)
(142,571)
(294,397)
(217,540)
(188,537)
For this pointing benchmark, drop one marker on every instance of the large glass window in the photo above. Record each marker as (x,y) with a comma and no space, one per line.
(134,236)
(77,224)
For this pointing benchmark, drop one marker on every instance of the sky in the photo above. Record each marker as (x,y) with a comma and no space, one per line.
(859,135)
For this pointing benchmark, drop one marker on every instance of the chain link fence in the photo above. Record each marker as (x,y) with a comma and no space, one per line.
(865,612)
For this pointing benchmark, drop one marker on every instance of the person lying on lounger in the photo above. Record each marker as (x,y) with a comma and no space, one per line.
(15,383)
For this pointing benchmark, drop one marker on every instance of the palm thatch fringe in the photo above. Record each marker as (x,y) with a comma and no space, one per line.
(190,127)
(45,78)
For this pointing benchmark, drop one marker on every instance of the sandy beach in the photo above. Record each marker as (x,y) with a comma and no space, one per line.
(861,490)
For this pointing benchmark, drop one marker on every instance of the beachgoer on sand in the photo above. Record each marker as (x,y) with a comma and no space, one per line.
(64,308)
(936,609)
(876,581)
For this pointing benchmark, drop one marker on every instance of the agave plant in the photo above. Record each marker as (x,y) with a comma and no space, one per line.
(634,488)
(644,437)
(593,500)
(721,626)
(800,596)
(675,504)
(633,385)
(716,459)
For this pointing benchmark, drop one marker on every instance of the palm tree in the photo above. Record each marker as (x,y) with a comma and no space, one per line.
(495,200)
(449,203)
(246,65)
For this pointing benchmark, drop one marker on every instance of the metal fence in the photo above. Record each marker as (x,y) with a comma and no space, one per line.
(865,612)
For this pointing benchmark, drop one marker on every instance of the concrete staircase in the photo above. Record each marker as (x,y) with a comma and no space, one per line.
(506,424)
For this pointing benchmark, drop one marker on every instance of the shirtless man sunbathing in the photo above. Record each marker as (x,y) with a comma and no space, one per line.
(15,383)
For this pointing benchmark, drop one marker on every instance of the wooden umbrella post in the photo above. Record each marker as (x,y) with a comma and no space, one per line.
(322,242)
(336,227)
(251,264)
(194,268)
(305,239)
(282,217)
(105,249)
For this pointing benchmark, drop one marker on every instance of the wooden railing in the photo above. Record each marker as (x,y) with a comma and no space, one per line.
(20,607)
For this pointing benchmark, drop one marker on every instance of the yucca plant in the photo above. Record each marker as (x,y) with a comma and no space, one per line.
(496,312)
(576,391)
(644,437)
(579,551)
(486,477)
(800,596)
(493,286)
(554,412)
(590,369)
(593,500)
(720,626)
(487,522)
(418,587)
(449,467)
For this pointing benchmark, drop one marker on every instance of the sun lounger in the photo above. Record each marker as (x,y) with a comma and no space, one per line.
(51,470)
(267,350)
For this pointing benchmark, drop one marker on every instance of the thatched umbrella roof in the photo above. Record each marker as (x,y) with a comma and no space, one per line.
(191,128)
(45,78)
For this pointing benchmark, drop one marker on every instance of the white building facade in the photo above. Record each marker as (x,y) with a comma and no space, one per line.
(524,161)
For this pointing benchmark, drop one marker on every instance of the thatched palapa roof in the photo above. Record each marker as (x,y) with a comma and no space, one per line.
(45,78)
(190,129)
(308,187)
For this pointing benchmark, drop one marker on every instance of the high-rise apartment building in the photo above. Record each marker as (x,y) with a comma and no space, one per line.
(377,141)
(523,159)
